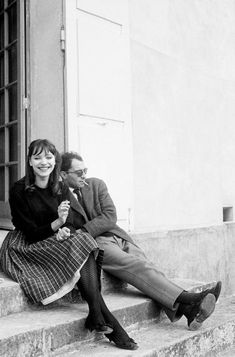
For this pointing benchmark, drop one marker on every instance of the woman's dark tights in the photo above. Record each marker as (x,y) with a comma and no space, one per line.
(99,313)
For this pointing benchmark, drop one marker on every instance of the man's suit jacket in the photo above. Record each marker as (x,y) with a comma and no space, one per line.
(99,213)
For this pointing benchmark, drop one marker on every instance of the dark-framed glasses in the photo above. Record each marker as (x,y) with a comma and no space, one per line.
(78,173)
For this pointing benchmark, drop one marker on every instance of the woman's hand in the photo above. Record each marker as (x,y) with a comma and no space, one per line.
(63,233)
(63,210)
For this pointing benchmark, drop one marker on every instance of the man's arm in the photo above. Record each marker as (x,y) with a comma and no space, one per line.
(106,212)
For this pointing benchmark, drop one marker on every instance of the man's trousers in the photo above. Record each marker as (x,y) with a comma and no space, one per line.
(128,262)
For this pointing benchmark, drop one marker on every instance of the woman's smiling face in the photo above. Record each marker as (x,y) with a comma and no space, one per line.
(42,163)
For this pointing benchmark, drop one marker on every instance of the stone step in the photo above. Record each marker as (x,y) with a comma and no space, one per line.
(166,339)
(3,234)
(227,353)
(12,298)
(37,331)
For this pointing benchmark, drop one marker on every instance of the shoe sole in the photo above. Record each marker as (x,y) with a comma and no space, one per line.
(101,332)
(206,309)
(218,290)
(130,348)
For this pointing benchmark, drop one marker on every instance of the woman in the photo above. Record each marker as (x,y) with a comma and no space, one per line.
(45,254)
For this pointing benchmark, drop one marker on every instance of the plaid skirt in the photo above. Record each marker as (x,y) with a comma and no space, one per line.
(43,268)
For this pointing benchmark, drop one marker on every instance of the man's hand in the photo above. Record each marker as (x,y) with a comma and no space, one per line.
(63,233)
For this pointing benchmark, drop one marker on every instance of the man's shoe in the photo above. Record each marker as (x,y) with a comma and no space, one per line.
(200,312)
(215,291)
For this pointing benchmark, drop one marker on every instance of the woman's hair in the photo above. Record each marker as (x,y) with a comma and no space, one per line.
(37,147)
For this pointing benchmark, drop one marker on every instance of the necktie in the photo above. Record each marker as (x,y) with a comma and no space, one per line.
(79,196)
(80,200)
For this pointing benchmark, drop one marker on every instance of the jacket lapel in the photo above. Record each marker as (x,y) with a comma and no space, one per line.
(87,197)
(76,206)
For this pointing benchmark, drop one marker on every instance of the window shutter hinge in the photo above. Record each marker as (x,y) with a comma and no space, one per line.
(26,103)
(62,38)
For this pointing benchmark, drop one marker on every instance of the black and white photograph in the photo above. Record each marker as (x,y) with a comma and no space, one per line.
(117,178)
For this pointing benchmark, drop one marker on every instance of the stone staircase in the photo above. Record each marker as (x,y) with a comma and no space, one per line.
(58,330)
(162,339)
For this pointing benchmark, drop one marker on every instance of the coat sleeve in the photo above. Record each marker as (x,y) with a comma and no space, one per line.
(22,219)
(106,216)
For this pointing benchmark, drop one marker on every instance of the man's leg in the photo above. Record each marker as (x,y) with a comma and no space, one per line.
(128,263)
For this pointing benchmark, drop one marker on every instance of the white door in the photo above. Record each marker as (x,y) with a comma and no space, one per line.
(98,94)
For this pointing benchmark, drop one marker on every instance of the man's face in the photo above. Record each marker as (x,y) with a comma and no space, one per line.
(76,175)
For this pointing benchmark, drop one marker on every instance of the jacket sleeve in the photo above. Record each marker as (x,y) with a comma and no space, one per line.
(106,217)
(22,219)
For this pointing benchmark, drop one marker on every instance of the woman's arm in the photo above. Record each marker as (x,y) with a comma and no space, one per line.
(23,217)
(39,216)
(23,220)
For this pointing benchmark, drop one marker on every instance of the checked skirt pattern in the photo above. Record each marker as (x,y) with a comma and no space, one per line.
(42,268)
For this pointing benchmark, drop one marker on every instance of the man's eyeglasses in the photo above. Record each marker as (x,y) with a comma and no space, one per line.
(78,173)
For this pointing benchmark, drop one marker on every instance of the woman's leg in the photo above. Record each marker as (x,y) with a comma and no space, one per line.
(89,287)
(119,335)
(100,318)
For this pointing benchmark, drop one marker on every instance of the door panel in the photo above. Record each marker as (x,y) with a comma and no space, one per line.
(103,146)
(98,95)
(99,44)
(111,10)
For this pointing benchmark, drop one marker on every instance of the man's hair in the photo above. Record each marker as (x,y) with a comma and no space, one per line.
(66,159)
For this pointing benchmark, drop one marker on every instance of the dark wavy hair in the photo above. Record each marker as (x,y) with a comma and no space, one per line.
(36,147)
(66,159)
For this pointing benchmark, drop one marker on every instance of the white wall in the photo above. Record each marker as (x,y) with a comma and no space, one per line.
(183,107)
(183,110)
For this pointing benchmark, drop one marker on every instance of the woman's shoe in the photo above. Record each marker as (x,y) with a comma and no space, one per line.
(128,344)
(99,328)
(103,329)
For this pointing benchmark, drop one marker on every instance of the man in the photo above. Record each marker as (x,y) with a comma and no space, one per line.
(94,212)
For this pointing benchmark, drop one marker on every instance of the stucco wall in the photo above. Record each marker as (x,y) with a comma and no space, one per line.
(201,254)
(183,87)
(46,71)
